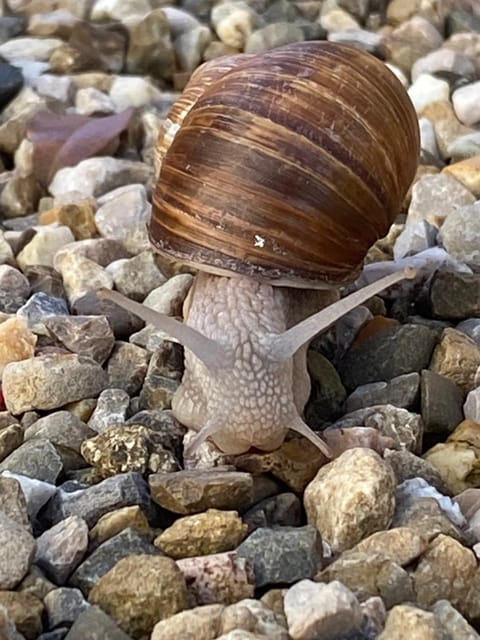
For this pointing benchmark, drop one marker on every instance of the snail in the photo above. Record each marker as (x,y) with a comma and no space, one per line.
(277,173)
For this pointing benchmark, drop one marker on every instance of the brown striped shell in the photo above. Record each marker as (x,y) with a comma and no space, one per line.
(288,167)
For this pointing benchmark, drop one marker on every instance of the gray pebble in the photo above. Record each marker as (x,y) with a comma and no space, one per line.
(284,510)
(441,403)
(127,367)
(36,492)
(13,503)
(471,328)
(402,392)
(61,548)
(454,296)
(36,459)
(63,606)
(283,555)
(111,410)
(18,550)
(89,336)
(94,624)
(14,289)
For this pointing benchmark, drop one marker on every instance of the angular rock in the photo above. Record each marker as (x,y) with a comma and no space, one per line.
(454,296)
(202,622)
(18,550)
(63,606)
(456,357)
(452,621)
(110,411)
(402,545)
(351,497)
(17,342)
(434,197)
(116,521)
(401,392)
(13,503)
(222,578)
(25,610)
(88,336)
(127,367)
(61,428)
(36,492)
(61,548)
(54,380)
(37,459)
(284,509)
(407,465)
(408,621)
(206,533)
(189,492)
(39,307)
(321,611)
(442,403)
(14,289)
(94,624)
(139,591)
(459,233)
(283,555)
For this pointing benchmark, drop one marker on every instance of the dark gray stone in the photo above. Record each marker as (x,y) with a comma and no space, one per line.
(387,354)
(63,606)
(126,543)
(37,459)
(406,465)
(122,322)
(56,634)
(45,279)
(10,27)
(442,403)
(93,502)
(460,21)
(62,428)
(455,296)
(328,393)
(284,510)
(283,555)
(163,422)
(94,624)
(11,81)
(402,392)
(127,367)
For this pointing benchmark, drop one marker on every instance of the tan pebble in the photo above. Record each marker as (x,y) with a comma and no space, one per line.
(457,357)
(467,172)
(17,342)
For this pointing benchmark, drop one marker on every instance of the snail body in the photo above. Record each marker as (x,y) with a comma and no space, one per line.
(280,173)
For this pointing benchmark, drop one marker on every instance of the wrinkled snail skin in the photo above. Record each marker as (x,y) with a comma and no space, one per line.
(285,168)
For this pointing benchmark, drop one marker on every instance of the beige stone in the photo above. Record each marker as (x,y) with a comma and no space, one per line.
(457,357)
(457,463)
(112,523)
(445,571)
(406,621)
(17,342)
(447,126)
(201,623)
(25,611)
(351,498)
(80,218)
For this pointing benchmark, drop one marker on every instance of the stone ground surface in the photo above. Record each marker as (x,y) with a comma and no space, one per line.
(106,531)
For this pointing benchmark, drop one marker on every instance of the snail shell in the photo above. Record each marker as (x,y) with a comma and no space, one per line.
(287,165)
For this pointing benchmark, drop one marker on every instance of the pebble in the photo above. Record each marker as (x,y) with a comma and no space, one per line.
(125,544)
(444,571)
(139,591)
(447,126)
(43,246)
(406,620)
(95,501)
(442,402)
(458,234)
(55,380)
(133,91)
(444,61)
(427,89)
(127,367)
(97,176)
(25,610)
(61,548)
(56,87)
(465,146)
(234,22)
(63,606)
(434,197)
(456,357)
(201,622)
(17,342)
(88,336)
(386,354)
(350,498)
(81,275)
(110,411)
(471,408)
(454,296)
(283,509)
(189,492)
(13,503)
(18,551)
(471,327)
(128,448)
(321,610)
(222,578)
(138,276)
(37,459)
(79,218)
(38,49)
(14,289)
(91,101)
(403,545)
(207,533)
(401,392)
(465,101)
(282,555)
(415,237)
(94,624)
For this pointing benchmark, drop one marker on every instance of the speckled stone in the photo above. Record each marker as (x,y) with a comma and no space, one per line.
(63,606)
(25,610)
(127,367)
(403,545)
(222,578)
(456,357)
(401,392)
(94,624)
(454,296)
(61,548)
(434,197)
(18,550)
(13,503)
(459,234)
(17,342)
(406,620)
(37,458)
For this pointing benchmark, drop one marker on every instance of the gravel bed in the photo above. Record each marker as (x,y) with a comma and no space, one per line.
(106,530)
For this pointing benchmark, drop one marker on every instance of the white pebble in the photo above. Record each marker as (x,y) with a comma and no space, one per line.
(427,89)
(466,102)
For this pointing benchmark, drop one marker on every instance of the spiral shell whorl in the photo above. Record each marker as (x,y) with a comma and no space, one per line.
(288,166)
